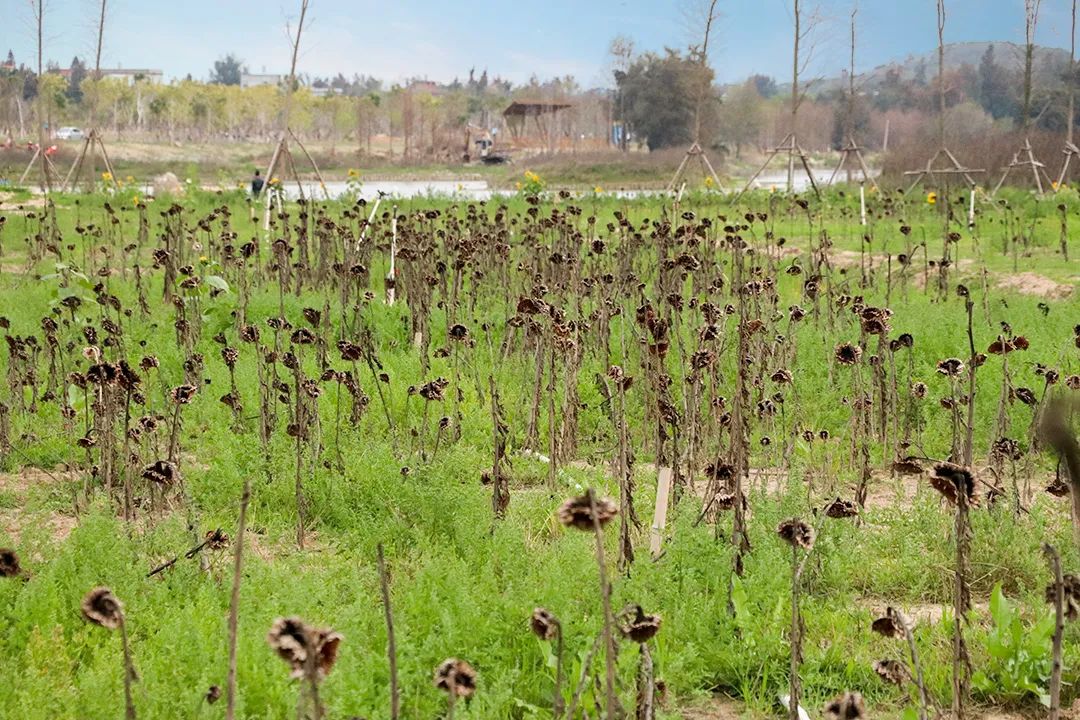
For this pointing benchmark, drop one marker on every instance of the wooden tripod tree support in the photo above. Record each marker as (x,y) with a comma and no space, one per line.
(788,146)
(697,152)
(283,157)
(47,166)
(1070,151)
(849,151)
(1025,158)
(954,168)
(71,181)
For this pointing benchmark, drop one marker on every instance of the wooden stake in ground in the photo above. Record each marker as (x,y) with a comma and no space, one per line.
(1056,594)
(391,644)
(234,602)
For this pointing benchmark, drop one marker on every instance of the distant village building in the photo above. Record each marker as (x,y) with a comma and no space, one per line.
(258,79)
(9,64)
(128,75)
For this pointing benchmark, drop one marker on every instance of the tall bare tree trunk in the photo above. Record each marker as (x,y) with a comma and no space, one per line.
(941,72)
(38,7)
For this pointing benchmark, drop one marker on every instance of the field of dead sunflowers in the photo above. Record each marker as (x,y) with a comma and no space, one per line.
(545,456)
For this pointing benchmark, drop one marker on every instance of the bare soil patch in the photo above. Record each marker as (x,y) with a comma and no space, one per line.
(1029,283)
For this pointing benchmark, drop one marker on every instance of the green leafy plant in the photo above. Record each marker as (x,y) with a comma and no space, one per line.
(1019,657)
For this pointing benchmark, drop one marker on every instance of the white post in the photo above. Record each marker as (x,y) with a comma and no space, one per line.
(862,202)
(971,210)
(391,278)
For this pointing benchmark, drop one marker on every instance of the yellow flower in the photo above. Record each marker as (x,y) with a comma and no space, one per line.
(135,201)
(203,259)
(598,189)
(931,198)
(518,184)
(130,179)
(354,173)
(1054,184)
(274,181)
(106,176)
(709,181)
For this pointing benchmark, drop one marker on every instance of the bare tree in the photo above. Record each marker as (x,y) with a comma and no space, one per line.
(621,50)
(700,16)
(37,7)
(1031,20)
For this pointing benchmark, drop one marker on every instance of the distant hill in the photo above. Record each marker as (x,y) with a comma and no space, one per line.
(1050,63)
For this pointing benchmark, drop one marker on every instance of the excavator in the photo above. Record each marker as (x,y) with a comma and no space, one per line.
(479,147)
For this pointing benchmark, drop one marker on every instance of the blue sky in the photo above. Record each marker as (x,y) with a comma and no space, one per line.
(397,39)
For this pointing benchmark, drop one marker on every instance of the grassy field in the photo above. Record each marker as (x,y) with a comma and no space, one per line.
(727,317)
(224,164)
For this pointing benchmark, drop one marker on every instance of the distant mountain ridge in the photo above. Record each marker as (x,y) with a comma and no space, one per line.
(1050,63)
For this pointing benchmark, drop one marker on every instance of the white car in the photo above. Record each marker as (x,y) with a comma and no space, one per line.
(69,133)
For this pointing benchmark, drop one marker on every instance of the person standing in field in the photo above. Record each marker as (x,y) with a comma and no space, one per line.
(256,184)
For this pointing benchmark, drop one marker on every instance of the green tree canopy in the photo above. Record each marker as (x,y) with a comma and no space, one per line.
(227,70)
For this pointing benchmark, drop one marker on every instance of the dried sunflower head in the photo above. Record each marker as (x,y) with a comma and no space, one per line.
(891,625)
(638,626)
(577,512)
(1070,594)
(544,624)
(295,642)
(796,533)
(907,466)
(9,563)
(891,671)
(102,608)
(841,509)
(950,367)
(848,706)
(848,354)
(954,482)
(456,676)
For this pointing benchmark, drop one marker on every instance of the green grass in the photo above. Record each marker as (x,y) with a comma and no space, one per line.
(465,585)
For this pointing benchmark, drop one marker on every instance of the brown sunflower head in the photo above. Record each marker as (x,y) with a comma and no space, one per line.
(848,706)
(9,563)
(796,533)
(841,509)
(1070,586)
(213,694)
(544,624)
(578,512)
(296,642)
(950,367)
(638,626)
(216,539)
(183,394)
(102,608)
(954,482)
(848,354)
(907,466)
(890,625)
(891,671)
(161,472)
(456,677)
